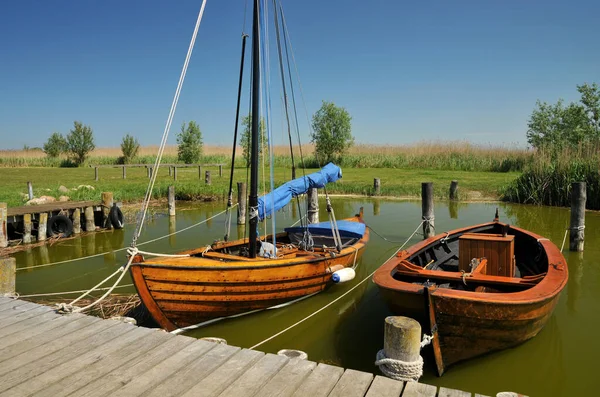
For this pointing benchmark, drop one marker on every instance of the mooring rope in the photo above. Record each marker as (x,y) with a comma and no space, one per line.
(407,371)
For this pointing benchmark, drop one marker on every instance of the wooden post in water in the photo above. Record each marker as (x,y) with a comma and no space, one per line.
(220,170)
(90,224)
(171,200)
(376,186)
(124,172)
(207,177)
(402,338)
(95,173)
(107,203)
(76,218)
(174,173)
(576,230)
(8,272)
(3,220)
(453,190)
(42,226)
(30,190)
(241,210)
(313,205)
(26,228)
(427,209)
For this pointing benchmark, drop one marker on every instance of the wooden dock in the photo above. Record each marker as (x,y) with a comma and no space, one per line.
(47,354)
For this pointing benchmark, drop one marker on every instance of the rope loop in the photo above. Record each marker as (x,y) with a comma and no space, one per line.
(398,369)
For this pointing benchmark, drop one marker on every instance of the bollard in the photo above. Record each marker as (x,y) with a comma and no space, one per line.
(90,224)
(95,173)
(313,205)
(124,172)
(220,170)
(150,171)
(401,342)
(376,186)
(107,203)
(207,177)
(3,221)
(27,228)
(453,190)
(76,218)
(241,210)
(427,209)
(171,196)
(42,226)
(8,271)
(30,189)
(174,173)
(576,230)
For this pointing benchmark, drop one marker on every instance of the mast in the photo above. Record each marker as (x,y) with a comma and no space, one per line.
(253,199)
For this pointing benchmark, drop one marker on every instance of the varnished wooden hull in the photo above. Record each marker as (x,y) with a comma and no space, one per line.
(467,324)
(179,292)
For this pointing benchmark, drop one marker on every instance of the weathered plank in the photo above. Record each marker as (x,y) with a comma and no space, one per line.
(24,330)
(256,376)
(445,392)
(192,374)
(286,381)
(320,381)
(415,389)
(352,383)
(232,369)
(156,375)
(11,304)
(385,387)
(480,395)
(36,312)
(5,299)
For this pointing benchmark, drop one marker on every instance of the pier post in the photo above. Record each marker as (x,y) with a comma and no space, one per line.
(26,228)
(124,172)
(150,171)
(171,196)
(453,190)
(207,177)
(376,186)
(241,210)
(30,190)
(90,224)
(576,230)
(313,205)
(199,172)
(95,173)
(42,226)
(3,220)
(170,170)
(402,338)
(220,170)
(427,209)
(107,203)
(174,173)
(76,218)
(8,271)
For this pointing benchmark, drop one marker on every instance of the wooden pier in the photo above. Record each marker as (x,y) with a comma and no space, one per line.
(43,353)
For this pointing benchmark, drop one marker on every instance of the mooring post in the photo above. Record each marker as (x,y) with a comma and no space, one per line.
(241,210)
(207,177)
(3,220)
(313,205)
(26,228)
(95,173)
(76,218)
(107,203)
(170,168)
(427,209)
(42,226)
(453,190)
(376,186)
(220,170)
(199,172)
(30,190)
(90,224)
(174,173)
(171,196)
(124,172)
(576,230)
(150,171)
(8,272)
(402,339)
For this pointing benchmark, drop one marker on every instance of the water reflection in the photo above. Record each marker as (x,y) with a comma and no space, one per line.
(453,209)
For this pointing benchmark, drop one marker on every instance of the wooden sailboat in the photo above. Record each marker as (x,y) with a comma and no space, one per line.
(229,278)
(477,289)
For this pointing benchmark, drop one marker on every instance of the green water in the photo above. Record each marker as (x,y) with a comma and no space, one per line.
(558,362)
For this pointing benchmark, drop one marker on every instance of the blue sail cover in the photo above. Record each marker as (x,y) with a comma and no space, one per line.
(284,193)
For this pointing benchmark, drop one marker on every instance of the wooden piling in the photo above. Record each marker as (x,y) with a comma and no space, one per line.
(43,226)
(402,338)
(376,186)
(207,177)
(241,209)
(313,205)
(199,172)
(453,190)
(30,190)
(124,172)
(8,272)
(107,203)
(90,224)
(427,209)
(174,173)
(26,228)
(3,221)
(171,196)
(76,218)
(220,170)
(95,173)
(150,171)
(576,230)
(170,169)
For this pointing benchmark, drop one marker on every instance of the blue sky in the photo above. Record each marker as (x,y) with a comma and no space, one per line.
(406,71)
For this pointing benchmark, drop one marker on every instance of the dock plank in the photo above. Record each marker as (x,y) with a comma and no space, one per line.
(415,389)
(352,384)
(320,382)
(480,395)
(23,330)
(13,310)
(11,304)
(256,376)
(36,312)
(223,376)
(189,376)
(287,380)
(385,387)
(445,392)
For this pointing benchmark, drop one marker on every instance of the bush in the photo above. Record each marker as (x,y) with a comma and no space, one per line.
(55,146)
(80,142)
(130,148)
(190,143)
(246,136)
(332,131)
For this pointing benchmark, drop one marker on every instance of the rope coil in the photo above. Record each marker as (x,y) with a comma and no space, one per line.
(407,371)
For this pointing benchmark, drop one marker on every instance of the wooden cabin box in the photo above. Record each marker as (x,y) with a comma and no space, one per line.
(499,251)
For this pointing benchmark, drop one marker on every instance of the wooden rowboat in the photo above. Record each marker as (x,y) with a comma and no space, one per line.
(222,281)
(477,289)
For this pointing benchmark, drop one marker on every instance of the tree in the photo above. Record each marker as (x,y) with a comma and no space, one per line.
(130,148)
(557,126)
(56,145)
(332,131)
(80,142)
(247,134)
(190,143)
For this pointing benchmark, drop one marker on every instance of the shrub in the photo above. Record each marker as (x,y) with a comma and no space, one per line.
(332,131)
(190,143)
(80,142)
(246,136)
(55,146)
(130,148)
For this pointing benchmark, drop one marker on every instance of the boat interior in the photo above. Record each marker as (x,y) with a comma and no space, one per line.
(490,258)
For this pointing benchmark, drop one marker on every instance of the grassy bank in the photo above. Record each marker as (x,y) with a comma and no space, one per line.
(394,182)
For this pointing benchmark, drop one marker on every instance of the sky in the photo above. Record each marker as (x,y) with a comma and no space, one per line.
(406,71)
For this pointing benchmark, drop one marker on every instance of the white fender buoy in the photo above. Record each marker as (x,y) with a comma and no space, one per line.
(343,275)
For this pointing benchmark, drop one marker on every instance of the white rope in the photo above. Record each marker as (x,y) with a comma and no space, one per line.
(406,371)
(165,255)
(71,292)
(564,240)
(337,299)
